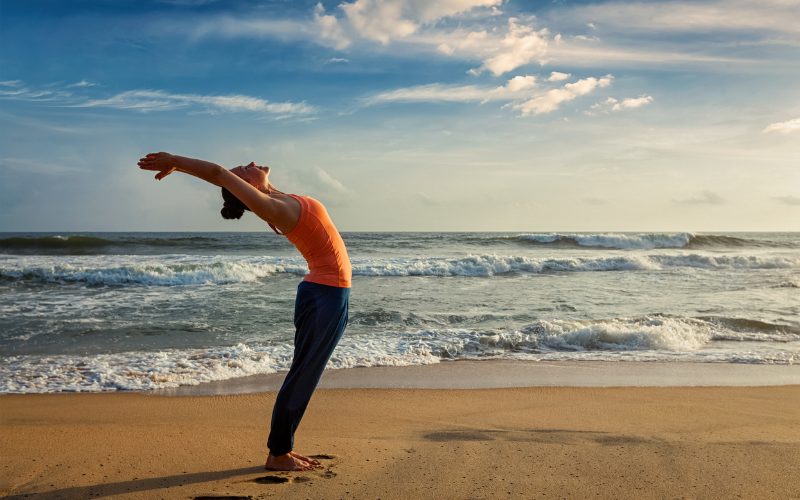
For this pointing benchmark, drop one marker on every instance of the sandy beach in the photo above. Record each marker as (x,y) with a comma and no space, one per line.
(518,442)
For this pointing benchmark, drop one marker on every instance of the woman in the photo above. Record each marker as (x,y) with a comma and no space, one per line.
(320,315)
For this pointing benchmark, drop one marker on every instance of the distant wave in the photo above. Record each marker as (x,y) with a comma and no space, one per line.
(643,338)
(364,243)
(77,244)
(54,242)
(183,270)
(642,241)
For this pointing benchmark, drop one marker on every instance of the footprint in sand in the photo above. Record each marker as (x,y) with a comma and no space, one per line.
(328,474)
(222,498)
(271,480)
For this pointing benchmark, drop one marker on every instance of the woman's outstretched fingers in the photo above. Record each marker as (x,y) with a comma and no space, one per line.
(160,162)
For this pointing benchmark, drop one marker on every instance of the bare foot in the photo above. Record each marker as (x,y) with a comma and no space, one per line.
(305,459)
(287,462)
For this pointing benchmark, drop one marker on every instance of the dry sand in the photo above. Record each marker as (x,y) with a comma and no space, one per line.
(543,442)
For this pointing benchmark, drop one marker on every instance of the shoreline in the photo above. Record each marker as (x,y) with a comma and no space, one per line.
(495,374)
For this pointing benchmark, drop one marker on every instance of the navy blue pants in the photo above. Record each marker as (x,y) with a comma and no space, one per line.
(320,317)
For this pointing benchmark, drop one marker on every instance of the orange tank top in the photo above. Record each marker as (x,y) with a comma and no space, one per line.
(321,245)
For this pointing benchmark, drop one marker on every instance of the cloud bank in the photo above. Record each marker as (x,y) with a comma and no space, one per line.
(784,127)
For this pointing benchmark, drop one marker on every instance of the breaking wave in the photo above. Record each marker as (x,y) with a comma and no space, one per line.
(183,270)
(643,338)
(641,241)
(166,271)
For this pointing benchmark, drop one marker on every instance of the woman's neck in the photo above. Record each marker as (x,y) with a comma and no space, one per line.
(270,189)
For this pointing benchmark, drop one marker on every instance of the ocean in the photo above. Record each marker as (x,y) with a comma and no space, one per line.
(93,312)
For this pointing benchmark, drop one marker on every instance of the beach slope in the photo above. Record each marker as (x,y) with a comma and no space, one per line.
(540,442)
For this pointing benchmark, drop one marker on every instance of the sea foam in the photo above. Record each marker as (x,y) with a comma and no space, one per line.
(643,338)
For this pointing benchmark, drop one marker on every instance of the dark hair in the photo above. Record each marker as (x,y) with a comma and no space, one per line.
(233,208)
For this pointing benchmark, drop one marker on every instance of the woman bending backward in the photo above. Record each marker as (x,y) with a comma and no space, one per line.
(320,314)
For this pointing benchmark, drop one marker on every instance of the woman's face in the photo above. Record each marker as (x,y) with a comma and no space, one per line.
(253,174)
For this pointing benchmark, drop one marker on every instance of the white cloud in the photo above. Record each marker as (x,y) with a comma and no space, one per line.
(473,43)
(380,21)
(82,83)
(601,107)
(555,76)
(383,20)
(18,91)
(612,104)
(601,55)
(329,29)
(330,182)
(688,15)
(158,100)
(784,127)
(632,102)
(321,185)
(706,198)
(431,92)
(14,93)
(433,10)
(551,100)
(408,25)
(519,87)
(610,100)
(735,25)
(520,46)
(416,26)
(336,60)
(520,83)
(515,88)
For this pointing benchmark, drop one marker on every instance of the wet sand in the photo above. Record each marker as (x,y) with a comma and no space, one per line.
(534,442)
(469,374)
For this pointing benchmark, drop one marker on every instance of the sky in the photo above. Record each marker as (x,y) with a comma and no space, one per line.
(405,115)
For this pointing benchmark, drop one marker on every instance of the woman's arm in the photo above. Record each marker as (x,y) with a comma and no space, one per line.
(280,210)
(165,164)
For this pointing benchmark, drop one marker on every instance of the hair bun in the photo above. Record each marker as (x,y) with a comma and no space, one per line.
(229,212)
(232,208)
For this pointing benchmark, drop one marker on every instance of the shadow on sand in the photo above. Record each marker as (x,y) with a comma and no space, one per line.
(139,485)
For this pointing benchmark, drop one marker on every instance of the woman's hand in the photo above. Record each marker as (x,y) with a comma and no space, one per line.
(163,163)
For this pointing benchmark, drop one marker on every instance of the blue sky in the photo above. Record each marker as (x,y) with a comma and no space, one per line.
(406,114)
